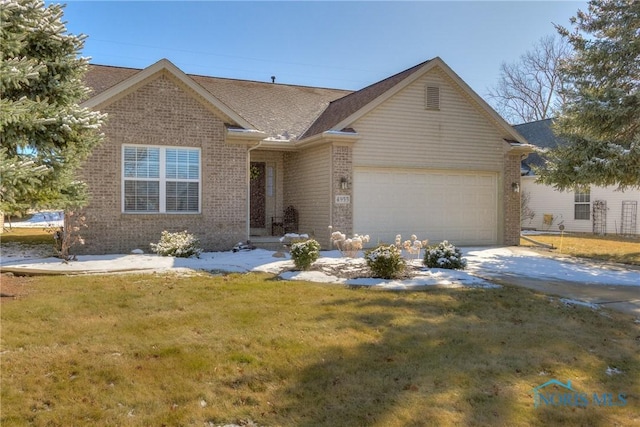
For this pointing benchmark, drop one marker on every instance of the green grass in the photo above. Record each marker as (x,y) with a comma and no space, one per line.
(609,248)
(27,236)
(190,350)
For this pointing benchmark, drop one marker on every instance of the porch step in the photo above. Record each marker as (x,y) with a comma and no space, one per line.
(270,243)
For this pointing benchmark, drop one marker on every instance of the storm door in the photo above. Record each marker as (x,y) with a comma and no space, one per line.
(257,194)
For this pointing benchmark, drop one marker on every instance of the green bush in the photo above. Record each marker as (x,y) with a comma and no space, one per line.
(304,253)
(444,255)
(385,261)
(180,244)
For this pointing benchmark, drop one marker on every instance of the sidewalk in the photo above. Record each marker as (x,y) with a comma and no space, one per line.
(620,298)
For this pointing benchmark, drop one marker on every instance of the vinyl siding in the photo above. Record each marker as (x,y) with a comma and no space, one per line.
(545,200)
(401,132)
(307,181)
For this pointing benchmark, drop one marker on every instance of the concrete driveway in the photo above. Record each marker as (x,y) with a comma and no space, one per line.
(616,297)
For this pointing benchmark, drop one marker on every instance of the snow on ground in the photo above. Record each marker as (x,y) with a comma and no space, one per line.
(483,263)
(41,219)
(519,261)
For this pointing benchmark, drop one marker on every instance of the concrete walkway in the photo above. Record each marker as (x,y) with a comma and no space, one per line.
(620,298)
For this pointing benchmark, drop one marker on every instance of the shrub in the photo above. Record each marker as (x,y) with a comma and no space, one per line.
(444,255)
(385,261)
(180,244)
(348,247)
(411,247)
(304,253)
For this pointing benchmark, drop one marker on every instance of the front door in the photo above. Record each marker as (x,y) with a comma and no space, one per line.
(258,199)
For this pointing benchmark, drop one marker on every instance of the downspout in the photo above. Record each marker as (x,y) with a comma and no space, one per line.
(249,150)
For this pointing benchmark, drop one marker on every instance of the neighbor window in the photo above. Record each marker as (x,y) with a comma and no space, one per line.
(161,179)
(582,206)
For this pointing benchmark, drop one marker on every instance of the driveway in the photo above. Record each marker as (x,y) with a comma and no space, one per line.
(616,297)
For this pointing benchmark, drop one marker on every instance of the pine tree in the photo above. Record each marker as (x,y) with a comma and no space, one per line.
(601,119)
(43,131)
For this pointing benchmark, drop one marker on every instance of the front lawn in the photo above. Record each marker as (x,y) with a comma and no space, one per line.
(611,248)
(163,349)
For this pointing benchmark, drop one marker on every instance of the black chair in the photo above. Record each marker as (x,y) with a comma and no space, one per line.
(290,220)
(276,222)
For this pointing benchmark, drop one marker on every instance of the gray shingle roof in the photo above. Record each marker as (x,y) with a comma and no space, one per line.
(276,109)
(540,134)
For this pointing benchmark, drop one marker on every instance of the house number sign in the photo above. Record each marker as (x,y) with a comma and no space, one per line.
(343,200)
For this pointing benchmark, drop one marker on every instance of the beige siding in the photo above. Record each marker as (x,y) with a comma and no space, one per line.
(560,204)
(308,189)
(401,132)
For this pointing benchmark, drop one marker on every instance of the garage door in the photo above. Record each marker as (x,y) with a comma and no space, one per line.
(459,207)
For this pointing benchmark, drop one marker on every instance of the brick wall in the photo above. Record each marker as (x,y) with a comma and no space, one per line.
(163,113)
(342,168)
(511,200)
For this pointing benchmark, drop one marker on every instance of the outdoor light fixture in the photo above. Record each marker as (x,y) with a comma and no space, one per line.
(515,187)
(344,184)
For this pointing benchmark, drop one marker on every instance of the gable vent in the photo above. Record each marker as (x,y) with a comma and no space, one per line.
(432,98)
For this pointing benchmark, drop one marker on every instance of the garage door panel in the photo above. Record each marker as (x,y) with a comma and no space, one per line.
(460,207)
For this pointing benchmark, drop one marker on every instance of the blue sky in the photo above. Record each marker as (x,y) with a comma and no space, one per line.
(346,45)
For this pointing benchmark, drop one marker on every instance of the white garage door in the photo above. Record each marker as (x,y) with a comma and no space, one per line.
(459,207)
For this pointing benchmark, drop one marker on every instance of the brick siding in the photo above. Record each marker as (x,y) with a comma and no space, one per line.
(161,112)
(511,200)
(342,168)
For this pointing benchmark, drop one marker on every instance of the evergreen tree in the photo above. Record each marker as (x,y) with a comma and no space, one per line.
(601,117)
(44,134)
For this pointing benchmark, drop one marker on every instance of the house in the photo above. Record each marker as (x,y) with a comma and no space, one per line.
(232,160)
(601,210)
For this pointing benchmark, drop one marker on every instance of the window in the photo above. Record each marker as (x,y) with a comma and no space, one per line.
(582,206)
(161,180)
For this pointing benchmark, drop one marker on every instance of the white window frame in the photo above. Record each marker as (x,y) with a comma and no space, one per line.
(582,197)
(162,180)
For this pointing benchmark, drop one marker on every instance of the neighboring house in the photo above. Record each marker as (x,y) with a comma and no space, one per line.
(230,160)
(601,210)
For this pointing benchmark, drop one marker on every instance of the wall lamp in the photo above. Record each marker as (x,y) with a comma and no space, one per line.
(515,187)
(344,184)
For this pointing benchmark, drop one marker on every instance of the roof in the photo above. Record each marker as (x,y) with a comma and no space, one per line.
(342,108)
(281,111)
(540,134)
(101,77)
(286,112)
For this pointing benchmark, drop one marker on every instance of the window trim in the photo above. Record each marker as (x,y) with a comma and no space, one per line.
(162,180)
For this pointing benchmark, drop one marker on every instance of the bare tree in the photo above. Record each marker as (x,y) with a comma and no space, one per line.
(530,88)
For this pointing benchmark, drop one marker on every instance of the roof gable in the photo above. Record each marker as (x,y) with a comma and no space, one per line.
(344,111)
(111,86)
(344,107)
